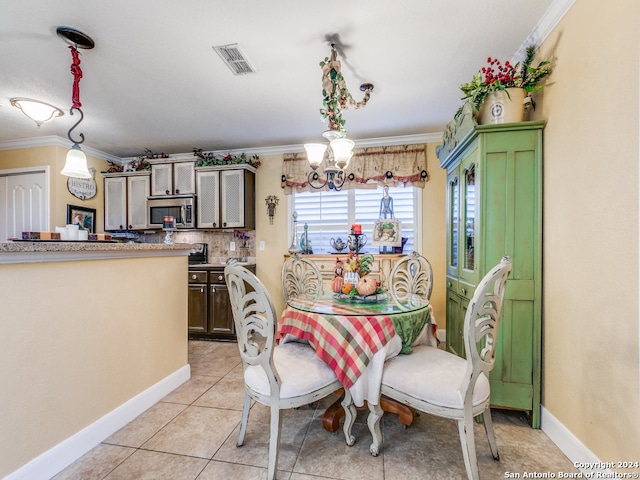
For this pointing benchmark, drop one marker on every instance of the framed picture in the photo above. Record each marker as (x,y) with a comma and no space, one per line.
(387,233)
(85,217)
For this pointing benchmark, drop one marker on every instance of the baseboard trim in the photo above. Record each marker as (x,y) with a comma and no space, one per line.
(583,458)
(68,451)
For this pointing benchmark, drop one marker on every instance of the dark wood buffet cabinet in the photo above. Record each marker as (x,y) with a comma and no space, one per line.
(210,313)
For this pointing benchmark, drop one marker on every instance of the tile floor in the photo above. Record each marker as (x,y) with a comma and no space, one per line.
(191,434)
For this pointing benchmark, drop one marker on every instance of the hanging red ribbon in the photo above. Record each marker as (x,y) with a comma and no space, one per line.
(77,75)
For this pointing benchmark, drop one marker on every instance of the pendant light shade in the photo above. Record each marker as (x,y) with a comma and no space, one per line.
(315,153)
(342,151)
(76,163)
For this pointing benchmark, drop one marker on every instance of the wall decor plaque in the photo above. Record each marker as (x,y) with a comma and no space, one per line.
(83,188)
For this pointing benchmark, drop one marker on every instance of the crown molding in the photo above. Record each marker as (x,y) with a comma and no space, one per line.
(55,141)
(296,148)
(547,23)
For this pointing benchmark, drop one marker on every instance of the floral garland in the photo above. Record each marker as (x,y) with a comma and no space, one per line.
(209,159)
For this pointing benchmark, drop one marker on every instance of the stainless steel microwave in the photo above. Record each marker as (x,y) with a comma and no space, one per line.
(180,207)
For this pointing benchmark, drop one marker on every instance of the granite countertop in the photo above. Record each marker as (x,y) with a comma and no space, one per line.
(52,251)
(53,246)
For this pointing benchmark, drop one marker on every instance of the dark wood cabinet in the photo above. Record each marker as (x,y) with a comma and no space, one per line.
(210,314)
(197,301)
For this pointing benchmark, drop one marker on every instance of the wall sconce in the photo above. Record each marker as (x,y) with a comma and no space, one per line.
(39,112)
(271,202)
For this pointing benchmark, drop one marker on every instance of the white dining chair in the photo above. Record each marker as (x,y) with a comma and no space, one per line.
(282,376)
(440,383)
(300,276)
(411,275)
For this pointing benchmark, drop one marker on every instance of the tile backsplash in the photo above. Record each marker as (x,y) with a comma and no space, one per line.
(218,242)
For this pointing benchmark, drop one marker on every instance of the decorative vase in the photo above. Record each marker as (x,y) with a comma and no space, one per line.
(500,107)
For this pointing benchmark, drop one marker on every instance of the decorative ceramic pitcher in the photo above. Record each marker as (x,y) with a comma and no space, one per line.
(338,244)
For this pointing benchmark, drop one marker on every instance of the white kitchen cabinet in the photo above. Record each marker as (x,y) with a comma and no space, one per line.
(125,200)
(226,196)
(173,178)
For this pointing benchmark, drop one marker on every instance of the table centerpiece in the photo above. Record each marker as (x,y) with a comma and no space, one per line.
(353,283)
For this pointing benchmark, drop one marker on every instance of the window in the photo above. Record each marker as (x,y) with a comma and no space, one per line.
(330,215)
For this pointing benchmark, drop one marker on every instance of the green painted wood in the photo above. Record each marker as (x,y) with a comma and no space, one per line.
(508,221)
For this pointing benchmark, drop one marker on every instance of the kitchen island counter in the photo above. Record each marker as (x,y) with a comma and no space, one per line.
(91,335)
(52,251)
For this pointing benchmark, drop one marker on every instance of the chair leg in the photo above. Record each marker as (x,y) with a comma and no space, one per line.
(274,442)
(488,428)
(245,418)
(468,443)
(373,421)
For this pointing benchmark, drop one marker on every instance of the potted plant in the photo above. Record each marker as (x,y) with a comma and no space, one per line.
(497,87)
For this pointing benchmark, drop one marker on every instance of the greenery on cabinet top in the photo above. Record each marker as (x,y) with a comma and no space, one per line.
(210,159)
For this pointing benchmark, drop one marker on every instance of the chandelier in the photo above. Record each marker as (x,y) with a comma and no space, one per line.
(76,161)
(340,149)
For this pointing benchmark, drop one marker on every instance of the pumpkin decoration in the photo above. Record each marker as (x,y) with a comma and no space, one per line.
(367,285)
(346,288)
(336,284)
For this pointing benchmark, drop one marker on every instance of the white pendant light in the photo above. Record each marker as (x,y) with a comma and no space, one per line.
(76,161)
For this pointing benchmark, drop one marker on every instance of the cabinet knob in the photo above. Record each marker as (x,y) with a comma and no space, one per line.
(194,277)
(130,227)
(214,224)
(464,291)
(220,277)
(213,289)
(224,224)
(449,284)
(177,191)
(201,289)
(167,192)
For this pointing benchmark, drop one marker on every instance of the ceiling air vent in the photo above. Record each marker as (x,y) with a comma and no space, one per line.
(235,59)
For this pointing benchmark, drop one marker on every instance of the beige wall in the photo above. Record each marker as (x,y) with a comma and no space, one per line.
(80,338)
(590,263)
(277,241)
(59,196)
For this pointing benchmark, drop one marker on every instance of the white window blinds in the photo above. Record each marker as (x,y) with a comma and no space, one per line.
(330,214)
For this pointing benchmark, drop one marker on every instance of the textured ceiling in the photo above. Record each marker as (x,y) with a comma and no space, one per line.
(154,82)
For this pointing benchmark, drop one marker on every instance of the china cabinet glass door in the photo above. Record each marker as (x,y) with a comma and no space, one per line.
(468,247)
(453,201)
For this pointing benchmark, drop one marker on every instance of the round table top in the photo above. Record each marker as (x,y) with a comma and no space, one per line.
(337,304)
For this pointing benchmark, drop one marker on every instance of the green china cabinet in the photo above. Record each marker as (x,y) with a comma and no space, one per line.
(494,208)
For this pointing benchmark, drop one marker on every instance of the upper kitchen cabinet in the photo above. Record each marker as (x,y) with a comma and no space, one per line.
(173,177)
(125,200)
(226,197)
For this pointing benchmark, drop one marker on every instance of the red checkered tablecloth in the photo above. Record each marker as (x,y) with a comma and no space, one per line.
(346,343)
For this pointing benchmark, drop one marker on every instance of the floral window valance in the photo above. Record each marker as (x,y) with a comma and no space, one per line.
(368,168)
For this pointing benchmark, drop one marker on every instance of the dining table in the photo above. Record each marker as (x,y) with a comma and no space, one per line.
(354,336)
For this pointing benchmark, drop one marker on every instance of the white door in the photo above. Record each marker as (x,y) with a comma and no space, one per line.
(24,202)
